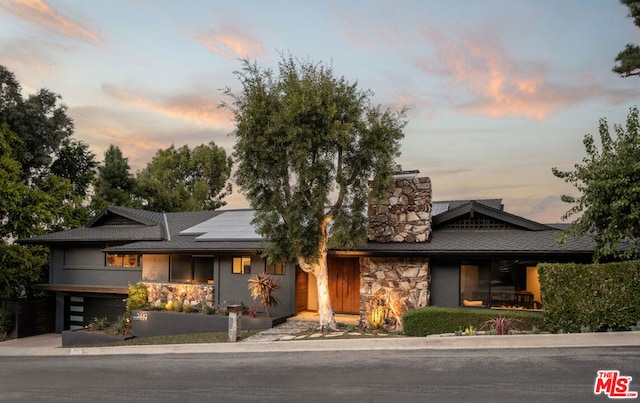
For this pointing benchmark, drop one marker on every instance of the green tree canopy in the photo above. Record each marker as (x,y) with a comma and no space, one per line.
(39,120)
(628,60)
(309,146)
(74,161)
(44,177)
(185,180)
(608,180)
(114,185)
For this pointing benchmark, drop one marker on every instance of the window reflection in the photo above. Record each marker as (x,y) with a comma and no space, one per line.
(500,284)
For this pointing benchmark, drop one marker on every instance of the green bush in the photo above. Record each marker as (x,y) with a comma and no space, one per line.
(138,297)
(437,320)
(100,323)
(6,322)
(595,296)
(206,309)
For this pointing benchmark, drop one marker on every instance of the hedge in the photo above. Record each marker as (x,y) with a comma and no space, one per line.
(437,320)
(600,296)
(6,322)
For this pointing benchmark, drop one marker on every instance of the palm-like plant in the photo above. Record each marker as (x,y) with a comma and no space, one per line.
(263,287)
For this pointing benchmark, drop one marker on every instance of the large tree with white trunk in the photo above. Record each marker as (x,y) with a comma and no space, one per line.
(310,147)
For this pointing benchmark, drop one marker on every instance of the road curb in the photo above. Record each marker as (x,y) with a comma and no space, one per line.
(526,341)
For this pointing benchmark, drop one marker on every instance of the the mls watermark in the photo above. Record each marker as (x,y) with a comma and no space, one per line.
(614,385)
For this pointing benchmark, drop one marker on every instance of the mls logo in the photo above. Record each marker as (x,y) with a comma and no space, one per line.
(612,384)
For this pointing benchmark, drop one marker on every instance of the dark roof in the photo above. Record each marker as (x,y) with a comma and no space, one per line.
(104,235)
(187,244)
(125,225)
(132,230)
(124,216)
(446,205)
(179,223)
(445,242)
(475,207)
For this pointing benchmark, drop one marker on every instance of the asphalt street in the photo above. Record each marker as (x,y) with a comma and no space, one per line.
(555,374)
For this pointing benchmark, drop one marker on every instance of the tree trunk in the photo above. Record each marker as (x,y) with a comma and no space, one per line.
(325,310)
(320,269)
(321,272)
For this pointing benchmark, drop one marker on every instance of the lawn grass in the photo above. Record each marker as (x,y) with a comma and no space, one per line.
(191,338)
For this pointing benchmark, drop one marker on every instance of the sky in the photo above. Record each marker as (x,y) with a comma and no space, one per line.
(498,91)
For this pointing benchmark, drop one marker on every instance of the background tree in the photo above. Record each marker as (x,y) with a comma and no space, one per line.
(44,177)
(628,60)
(608,180)
(309,146)
(39,120)
(114,185)
(185,180)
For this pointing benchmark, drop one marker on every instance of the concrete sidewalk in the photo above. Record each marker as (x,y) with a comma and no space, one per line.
(50,344)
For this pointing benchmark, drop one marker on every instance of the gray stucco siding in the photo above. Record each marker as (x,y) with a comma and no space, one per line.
(445,283)
(233,288)
(86,266)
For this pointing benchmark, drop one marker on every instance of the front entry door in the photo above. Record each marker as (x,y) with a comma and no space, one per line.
(344,284)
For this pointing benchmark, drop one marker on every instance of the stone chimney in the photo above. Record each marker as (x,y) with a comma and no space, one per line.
(404,214)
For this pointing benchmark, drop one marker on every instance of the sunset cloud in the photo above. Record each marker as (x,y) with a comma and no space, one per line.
(39,14)
(138,137)
(494,84)
(231,43)
(195,107)
(36,57)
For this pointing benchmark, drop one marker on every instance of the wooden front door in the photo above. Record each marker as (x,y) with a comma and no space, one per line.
(302,290)
(344,284)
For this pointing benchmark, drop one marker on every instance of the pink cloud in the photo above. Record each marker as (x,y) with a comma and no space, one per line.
(39,14)
(195,107)
(231,43)
(494,84)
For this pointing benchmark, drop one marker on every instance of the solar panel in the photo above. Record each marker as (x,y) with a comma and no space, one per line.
(230,225)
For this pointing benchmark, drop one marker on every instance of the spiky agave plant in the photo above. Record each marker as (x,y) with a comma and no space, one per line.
(263,287)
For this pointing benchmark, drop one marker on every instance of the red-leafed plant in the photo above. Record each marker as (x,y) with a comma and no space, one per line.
(501,325)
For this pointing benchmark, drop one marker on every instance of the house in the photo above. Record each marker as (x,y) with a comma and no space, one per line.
(418,253)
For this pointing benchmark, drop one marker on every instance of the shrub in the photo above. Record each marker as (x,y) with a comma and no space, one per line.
(263,287)
(174,305)
(206,309)
(597,296)
(100,323)
(438,320)
(138,297)
(376,316)
(502,325)
(6,323)
(121,323)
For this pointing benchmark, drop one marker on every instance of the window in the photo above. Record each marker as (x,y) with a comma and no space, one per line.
(191,269)
(242,265)
(122,260)
(276,268)
(180,269)
(500,284)
(474,290)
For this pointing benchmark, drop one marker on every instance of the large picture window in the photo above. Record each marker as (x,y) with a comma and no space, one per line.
(122,260)
(241,265)
(500,284)
(191,269)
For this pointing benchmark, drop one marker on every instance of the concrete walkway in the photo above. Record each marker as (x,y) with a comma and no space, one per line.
(278,340)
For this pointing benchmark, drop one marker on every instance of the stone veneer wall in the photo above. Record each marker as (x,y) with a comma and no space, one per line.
(399,283)
(193,294)
(404,215)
